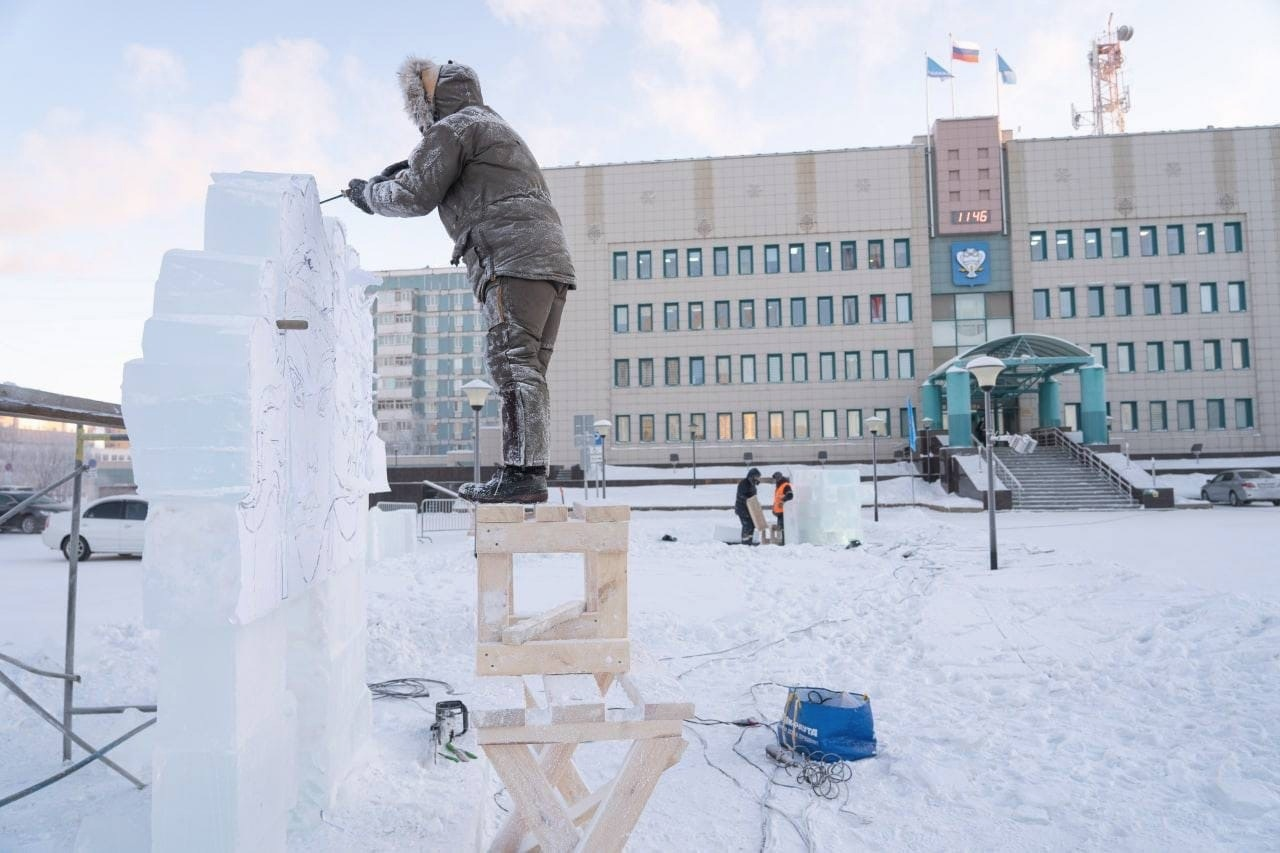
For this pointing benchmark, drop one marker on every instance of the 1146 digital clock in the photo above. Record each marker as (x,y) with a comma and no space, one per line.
(970,217)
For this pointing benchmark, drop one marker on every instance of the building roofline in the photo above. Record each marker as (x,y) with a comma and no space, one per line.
(907,146)
(1091,136)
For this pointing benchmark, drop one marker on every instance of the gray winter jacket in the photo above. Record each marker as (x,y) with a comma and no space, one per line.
(472,165)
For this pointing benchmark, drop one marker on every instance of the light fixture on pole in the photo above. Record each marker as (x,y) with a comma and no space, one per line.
(602,429)
(986,370)
(477,391)
(927,423)
(876,425)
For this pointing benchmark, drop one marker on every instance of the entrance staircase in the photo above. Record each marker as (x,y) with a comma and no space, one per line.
(1054,478)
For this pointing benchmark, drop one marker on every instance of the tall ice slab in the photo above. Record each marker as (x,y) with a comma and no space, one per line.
(827,508)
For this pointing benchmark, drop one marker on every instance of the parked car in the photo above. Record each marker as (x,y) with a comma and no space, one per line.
(33,518)
(1242,486)
(107,526)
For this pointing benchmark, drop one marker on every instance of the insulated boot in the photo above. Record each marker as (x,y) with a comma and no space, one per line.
(512,484)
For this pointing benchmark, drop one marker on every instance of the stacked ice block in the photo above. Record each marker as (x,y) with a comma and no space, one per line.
(827,508)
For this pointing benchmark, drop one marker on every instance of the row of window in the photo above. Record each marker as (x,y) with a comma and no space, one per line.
(1215,413)
(1064,248)
(1181,351)
(745,426)
(694,313)
(675,370)
(1122,300)
(823,259)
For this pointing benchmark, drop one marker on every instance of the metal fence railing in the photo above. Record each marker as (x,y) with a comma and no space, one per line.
(436,514)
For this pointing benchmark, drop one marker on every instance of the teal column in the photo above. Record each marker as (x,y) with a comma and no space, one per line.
(1093,404)
(931,403)
(959,418)
(1050,403)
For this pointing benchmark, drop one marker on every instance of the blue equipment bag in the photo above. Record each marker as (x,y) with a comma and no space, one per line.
(828,725)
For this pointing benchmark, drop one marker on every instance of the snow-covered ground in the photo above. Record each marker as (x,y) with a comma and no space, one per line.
(1112,687)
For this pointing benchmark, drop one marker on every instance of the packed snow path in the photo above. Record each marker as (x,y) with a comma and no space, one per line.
(1114,686)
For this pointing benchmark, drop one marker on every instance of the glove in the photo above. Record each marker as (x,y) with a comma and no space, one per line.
(394,169)
(355,194)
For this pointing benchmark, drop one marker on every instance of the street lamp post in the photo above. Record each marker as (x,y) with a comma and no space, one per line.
(602,429)
(693,440)
(986,370)
(927,423)
(477,391)
(876,425)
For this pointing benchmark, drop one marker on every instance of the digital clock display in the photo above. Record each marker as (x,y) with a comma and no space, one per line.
(970,217)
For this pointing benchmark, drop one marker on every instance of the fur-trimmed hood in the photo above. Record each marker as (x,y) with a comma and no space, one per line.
(456,87)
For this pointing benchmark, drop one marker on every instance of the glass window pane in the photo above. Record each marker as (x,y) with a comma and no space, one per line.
(795,257)
(875,254)
(799,425)
(799,367)
(1235,296)
(902,305)
(722,314)
(970,306)
(697,370)
(619,266)
(644,265)
(773,312)
(798,315)
(822,257)
(852,366)
(1147,240)
(879,313)
(1173,244)
(693,262)
(1119,242)
(1040,304)
(1233,236)
(826,311)
(1092,243)
(849,310)
(848,255)
(1038,247)
(720,260)
(902,253)
(747,370)
(746,263)
(1063,241)
(1124,301)
(695,316)
(1204,239)
(772,262)
(853,423)
(746,314)
(670,266)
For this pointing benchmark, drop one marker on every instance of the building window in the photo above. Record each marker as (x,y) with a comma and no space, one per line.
(1099,352)
(622,373)
(1147,241)
(693,262)
(719,260)
(646,428)
(722,314)
(619,266)
(747,370)
(1244,413)
(852,366)
(799,425)
(902,305)
(1119,242)
(1093,242)
(953,175)
(773,365)
(901,253)
(1181,356)
(1158,416)
(1129,417)
(772,262)
(695,316)
(746,313)
(1213,355)
(697,370)
(1209,297)
(849,310)
(853,423)
(883,414)
(645,370)
(1186,415)
(673,428)
(1124,301)
(775,426)
(822,257)
(724,426)
(795,257)
(671,371)
(1066,302)
(1038,248)
(829,424)
(1204,239)
(746,261)
(848,255)
(1178,298)
(1232,237)
(827,366)
(671,317)
(670,263)
(1239,353)
(1173,244)
(773,312)
(1216,412)
(880,364)
(622,429)
(644,264)
(724,369)
(906,364)
(879,312)
(984,174)
(620,318)
(698,426)
(798,316)
(799,367)
(1095,302)
(1062,239)
(644,318)
(875,254)
(1151,299)
(1124,358)
(826,311)
(1155,357)
(749,431)
(1040,304)
(953,153)
(984,195)
(1235,296)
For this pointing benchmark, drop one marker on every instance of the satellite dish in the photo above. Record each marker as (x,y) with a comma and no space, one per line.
(1124,33)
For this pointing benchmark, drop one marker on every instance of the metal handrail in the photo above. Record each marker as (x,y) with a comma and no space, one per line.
(1085,456)
(1003,472)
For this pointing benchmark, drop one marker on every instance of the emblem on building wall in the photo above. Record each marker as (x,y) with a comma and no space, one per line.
(969,267)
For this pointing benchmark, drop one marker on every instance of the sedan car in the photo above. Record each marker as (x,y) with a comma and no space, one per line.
(33,517)
(108,525)
(1242,486)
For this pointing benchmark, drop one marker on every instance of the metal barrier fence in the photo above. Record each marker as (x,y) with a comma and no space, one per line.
(437,514)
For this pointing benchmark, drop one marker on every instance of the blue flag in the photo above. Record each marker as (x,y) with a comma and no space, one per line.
(933,69)
(911,425)
(1006,73)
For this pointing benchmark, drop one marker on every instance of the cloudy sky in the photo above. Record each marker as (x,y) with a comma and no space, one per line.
(116,113)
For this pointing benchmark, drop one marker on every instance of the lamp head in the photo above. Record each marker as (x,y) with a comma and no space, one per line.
(477,391)
(603,426)
(985,370)
(875,425)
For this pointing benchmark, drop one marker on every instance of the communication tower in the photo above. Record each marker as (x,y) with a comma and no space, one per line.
(1106,72)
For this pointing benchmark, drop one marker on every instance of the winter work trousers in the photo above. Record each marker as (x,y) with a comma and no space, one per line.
(748,526)
(523,319)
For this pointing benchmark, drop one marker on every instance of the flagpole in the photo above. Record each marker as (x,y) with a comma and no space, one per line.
(926,93)
(951,69)
(997,87)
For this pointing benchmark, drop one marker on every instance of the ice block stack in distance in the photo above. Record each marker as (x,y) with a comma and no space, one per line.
(257,449)
(827,509)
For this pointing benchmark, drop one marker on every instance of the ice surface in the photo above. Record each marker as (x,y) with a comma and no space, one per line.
(827,509)
(392,534)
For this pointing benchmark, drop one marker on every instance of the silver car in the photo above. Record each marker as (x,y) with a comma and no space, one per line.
(1242,486)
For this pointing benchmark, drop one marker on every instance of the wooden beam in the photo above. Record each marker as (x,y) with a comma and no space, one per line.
(550,513)
(606,582)
(656,694)
(500,513)
(567,538)
(541,809)
(538,624)
(610,729)
(574,699)
(553,760)
(494,578)
(630,792)
(601,512)
(553,657)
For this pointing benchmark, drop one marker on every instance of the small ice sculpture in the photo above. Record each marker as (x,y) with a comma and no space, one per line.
(827,509)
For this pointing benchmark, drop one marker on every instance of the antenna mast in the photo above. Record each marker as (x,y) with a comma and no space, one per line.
(1106,73)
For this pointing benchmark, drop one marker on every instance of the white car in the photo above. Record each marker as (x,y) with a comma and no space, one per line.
(107,526)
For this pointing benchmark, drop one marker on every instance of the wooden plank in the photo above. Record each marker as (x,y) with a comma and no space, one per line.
(541,809)
(607,573)
(500,513)
(550,513)
(536,625)
(656,694)
(574,698)
(584,627)
(493,595)
(568,538)
(553,657)
(553,760)
(630,792)
(502,704)
(582,810)
(610,729)
(594,513)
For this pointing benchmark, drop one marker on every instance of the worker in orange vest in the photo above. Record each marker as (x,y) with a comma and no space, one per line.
(781,494)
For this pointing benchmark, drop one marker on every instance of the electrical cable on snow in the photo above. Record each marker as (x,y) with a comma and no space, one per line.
(408,688)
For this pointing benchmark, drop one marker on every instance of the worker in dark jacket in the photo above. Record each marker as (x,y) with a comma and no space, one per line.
(781,494)
(746,491)
(476,170)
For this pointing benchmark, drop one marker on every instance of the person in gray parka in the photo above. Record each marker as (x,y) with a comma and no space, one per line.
(494,203)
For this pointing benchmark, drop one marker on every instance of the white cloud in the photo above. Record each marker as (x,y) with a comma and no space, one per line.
(694,34)
(564,24)
(154,71)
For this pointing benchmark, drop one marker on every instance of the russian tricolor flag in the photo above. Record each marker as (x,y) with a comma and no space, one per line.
(964,51)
